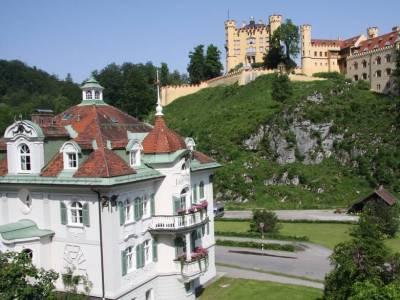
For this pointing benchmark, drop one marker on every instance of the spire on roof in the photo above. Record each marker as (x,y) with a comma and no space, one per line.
(159,107)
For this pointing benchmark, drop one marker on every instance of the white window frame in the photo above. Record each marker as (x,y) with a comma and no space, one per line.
(88,95)
(134,158)
(129,211)
(204,190)
(25,166)
(75,213)
(146,206)
(148,255)
(130,259)
(96,95)
(70,148)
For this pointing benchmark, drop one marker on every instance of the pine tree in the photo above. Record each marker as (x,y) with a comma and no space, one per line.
(196,65)
(213,65)
(396,73)
(164,74)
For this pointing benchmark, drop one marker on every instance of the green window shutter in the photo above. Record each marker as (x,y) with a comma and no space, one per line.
(155,249)
(63,213)
(123,263)
(201,187)
(138,257)
(85,214)
(137,207)
(141,208)
(142,253)
(177,204)
(121,213)
(152,205)
(195,193)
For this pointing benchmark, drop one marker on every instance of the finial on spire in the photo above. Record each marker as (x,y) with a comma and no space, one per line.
(159,107)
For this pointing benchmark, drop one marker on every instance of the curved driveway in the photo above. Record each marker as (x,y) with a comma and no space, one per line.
(312,263)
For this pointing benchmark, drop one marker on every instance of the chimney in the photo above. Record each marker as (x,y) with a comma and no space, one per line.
(43,117)
(372,32)
(396,28)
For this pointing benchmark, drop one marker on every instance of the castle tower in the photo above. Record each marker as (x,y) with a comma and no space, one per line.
(274,22)
(306,60)
(372,32)
(230,30)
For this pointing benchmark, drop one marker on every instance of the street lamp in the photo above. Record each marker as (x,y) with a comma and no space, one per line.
(262,235)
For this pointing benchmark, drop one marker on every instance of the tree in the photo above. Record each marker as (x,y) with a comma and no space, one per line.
(20,279)
(268,218)
(274,57)
(212,65)
(196,67)
(364,261)
(396,73)
(287,35)
(384,216)
(164,74)
(281,88)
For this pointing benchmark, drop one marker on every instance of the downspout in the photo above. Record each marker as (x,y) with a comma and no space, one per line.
(101,246)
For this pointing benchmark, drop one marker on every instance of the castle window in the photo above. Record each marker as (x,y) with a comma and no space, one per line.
(388,71)
(355,77)
(25,157)
(378,60)
(315,53)
(355,66)
(96,95)
(364,64)
(326,54)
(378,73)
(364,76)
(320,53)
(76,213)
(88,95)
(388,58)
(378,87)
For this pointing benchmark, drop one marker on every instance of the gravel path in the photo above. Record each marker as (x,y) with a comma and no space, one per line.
(254,275)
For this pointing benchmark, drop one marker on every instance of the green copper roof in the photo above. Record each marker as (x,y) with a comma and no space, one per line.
(195,165)
(23,229)
(66,178)
(163,158)
(91,102)
(91,83)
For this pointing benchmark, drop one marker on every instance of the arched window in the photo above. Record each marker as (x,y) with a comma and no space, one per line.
(183,196)
(378,60)
(88,95)
(96,95)
(201,190)
(135,158)
(28,252)
(364,64)
(25,157)
(76,213)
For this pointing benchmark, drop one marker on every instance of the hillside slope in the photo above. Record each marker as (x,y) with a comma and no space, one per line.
(327,146)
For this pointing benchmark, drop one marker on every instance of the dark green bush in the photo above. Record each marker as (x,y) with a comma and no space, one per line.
(384,216)
(282,88)
(329,75)
(267,246)
(269,219)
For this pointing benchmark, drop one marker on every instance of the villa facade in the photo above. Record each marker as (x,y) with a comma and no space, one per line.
(94,191)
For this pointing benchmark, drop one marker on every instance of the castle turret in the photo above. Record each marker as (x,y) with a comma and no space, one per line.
(230,29)
(305,35)
(274,22)
(372,32)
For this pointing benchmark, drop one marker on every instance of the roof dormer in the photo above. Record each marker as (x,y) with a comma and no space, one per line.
(134,149)
(92,91)
(70,151)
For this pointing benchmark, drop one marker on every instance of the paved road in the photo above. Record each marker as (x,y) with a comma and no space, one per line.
(313,262)
(246,274)
(310,214)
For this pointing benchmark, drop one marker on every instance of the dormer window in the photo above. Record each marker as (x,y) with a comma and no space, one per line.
(25,158)
(70,152)
(134,149)
(88,95)
(97,95)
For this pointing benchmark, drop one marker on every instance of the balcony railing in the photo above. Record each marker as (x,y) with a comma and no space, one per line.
(192,269)
(178,222)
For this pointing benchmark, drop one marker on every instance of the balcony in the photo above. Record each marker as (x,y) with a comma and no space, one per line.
(184,222)
(194,268)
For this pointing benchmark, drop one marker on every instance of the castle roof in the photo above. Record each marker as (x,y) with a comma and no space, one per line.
(382,41)
(322,42)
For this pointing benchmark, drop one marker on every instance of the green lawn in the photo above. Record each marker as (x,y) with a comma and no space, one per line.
(239,289)
(326,234)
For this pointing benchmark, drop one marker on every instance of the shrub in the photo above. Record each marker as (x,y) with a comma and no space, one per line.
(386,217)
(363,85)
(269,219)
(281,88)
(257,65)
(329,75)
(267,246)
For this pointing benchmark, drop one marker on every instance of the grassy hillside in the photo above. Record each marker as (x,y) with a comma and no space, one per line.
(366,154)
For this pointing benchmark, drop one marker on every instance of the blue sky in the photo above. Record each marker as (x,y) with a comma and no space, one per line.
(78,36)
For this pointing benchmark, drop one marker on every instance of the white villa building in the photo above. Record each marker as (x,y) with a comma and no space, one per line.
(94,190)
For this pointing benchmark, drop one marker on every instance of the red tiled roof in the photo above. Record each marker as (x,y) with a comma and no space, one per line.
(381,41)
(202,158)
(319,42)
(54,167)
(350,42)
(103,163)
(162,139)
(3,167)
